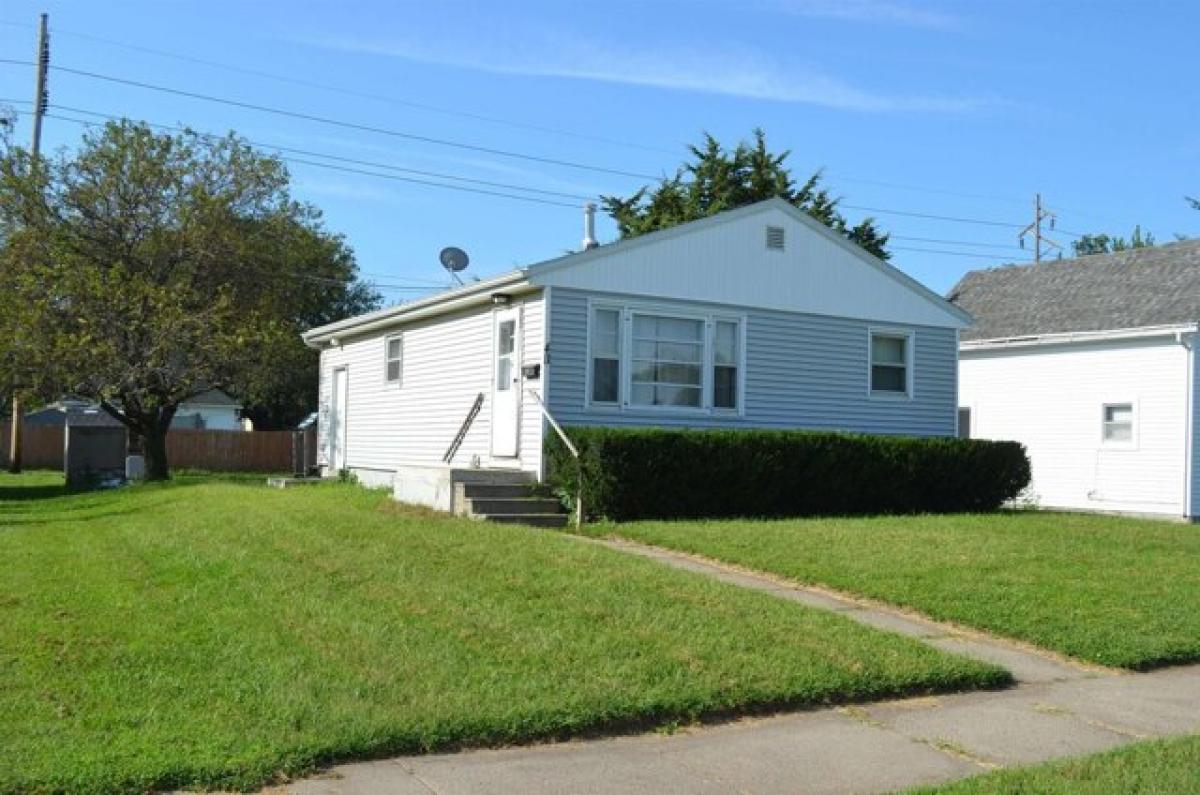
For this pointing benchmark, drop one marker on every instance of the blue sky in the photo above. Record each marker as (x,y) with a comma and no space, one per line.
(955,109)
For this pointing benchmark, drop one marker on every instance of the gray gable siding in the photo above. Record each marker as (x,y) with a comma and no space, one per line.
(802,371)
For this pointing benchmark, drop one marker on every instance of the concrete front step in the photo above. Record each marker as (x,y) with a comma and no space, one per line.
(512,505)
(533,519)
(495,491)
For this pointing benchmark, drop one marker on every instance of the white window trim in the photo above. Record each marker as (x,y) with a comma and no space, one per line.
(909,336)
(387,341)
(1134,423)
(626,310)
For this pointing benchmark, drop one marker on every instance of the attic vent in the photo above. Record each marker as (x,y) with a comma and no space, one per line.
(775,238)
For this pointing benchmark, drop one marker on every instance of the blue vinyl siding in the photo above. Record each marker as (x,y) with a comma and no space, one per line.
(802,371)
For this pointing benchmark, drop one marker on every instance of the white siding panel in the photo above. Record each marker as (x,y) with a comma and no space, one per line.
(802,371)
(1195,407)
(1050,399)
(729,263)
(447,363)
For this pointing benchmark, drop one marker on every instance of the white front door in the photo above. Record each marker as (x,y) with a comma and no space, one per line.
(506,381)
(337,421)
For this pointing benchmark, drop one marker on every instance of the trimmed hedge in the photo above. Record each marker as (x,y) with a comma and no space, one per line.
(651,473)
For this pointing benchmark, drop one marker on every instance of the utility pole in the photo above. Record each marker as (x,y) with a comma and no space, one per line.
(41,99)
(1040,241)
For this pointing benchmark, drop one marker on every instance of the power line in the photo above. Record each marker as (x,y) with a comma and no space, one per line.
(428,139)
(955,253)
(931,216)
(458,144)
(361,94)
(952,242)
(364,172)
(351,160)
(291,79)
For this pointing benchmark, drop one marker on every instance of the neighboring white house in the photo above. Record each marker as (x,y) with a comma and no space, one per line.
(759,317)
(212,410)
(1091,364)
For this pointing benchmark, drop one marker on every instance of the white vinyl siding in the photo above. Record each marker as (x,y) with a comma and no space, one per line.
(447,362)
(1052,398)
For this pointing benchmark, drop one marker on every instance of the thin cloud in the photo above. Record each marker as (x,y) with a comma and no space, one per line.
(731,73)
(872,11)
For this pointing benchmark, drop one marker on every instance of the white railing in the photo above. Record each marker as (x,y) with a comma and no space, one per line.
(566,440)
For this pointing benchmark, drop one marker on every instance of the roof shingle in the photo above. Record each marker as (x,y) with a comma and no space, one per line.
(1130,289)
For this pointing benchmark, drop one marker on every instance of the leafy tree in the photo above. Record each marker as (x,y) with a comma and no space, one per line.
(1105,244)
(718,179)
(146,268)
(281,395)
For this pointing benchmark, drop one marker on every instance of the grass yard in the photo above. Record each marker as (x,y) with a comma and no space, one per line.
(1115,591)
(1162,767)
(223,634)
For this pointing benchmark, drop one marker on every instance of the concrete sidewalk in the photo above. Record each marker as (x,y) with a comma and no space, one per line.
(1059,708)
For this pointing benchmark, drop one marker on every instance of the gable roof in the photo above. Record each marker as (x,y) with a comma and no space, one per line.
(212,397)
(1137,288)
(477,291)
(577,259)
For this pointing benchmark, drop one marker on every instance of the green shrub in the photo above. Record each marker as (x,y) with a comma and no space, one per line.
(651,473)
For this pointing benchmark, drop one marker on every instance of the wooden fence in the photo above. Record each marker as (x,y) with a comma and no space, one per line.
(41,446)
(223,451)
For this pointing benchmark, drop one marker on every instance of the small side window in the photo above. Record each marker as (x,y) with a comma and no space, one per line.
(394,358)
(889,364)
(1118,423)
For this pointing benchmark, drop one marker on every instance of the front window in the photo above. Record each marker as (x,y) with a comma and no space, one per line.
(668,361)
(1118,423)
(889,364)
(725,365)
(644,359)
(606,356)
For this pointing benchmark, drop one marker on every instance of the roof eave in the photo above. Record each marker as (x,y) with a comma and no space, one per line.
(475,292)
(1078,337)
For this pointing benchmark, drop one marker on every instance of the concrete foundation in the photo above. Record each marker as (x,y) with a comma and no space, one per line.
(440,486)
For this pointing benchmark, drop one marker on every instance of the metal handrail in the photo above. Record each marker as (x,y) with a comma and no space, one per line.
(574,453)
(462,431)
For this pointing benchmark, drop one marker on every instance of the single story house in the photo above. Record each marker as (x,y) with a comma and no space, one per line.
(212,409)
(1091,363)
(759,317)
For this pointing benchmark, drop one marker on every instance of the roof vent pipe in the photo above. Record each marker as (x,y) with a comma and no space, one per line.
(589,226)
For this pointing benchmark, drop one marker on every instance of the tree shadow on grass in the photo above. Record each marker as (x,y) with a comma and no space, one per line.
(43,491)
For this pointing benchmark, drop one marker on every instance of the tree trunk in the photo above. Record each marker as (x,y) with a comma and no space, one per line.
(154,447)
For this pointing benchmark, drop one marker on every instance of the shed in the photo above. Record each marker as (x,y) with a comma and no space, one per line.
(94,449)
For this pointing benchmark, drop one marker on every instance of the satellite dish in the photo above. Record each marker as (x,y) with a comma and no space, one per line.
(454,259)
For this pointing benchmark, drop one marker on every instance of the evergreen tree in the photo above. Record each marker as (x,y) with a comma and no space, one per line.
(718,179)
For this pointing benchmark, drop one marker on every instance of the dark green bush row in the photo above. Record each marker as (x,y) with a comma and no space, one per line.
(650,473)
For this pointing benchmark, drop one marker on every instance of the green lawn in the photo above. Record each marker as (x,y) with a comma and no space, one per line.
(1115,591)
(222,634)
(1162,767)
